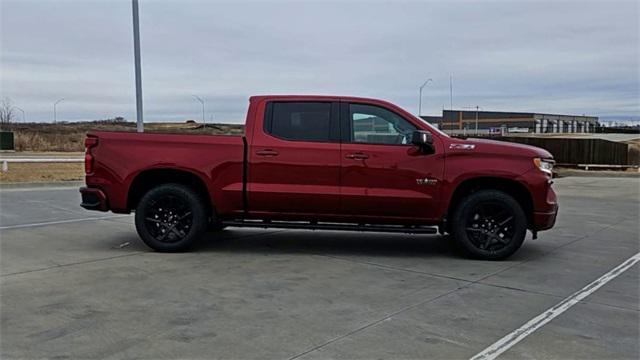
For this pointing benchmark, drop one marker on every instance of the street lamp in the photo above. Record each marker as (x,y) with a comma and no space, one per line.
(138,67)
(202,103)
(55,115)
(420,103)
(477,110)
(22,111)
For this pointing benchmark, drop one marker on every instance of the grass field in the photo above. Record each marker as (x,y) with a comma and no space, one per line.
(70,136)
(42,172)
(42,139)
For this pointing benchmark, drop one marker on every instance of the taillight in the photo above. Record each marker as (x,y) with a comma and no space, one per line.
(89,143)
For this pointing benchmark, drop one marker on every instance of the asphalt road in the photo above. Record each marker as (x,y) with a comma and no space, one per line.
(79,284)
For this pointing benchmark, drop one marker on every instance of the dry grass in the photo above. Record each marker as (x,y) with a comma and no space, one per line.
(47,139)
(32,141)
(42,172)
(70,136)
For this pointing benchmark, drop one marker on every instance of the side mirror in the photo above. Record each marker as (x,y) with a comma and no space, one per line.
(424,140)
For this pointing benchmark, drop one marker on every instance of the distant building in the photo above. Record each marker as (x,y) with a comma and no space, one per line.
(464,121)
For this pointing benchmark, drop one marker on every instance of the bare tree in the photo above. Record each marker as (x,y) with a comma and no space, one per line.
(7,111)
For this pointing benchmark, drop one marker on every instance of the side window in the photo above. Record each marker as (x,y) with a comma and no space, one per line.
(310,121)
(376,125)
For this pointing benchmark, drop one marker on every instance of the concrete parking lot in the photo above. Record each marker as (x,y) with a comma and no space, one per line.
(79,284)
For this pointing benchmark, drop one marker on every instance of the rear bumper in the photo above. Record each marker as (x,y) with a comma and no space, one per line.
(93,199)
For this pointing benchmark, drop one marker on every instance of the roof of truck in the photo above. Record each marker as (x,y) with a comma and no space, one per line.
(316,97)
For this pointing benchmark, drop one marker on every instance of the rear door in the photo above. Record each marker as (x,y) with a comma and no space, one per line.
(294,160)
(383,175)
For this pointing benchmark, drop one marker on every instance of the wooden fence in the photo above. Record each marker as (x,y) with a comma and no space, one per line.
(579,151)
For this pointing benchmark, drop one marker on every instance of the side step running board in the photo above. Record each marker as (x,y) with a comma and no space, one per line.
(332,226)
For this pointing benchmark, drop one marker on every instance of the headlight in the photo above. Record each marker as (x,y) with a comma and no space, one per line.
(545,165)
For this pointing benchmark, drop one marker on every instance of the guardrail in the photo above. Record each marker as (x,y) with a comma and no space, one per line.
(5,162)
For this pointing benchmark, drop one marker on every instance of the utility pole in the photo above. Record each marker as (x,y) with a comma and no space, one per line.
(450,92)
(420,103)
(22,111)
(55,114)
(477,107)
(477,110)
(136,54)
(202,103)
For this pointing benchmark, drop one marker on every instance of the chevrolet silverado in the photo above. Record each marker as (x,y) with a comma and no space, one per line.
(323,162)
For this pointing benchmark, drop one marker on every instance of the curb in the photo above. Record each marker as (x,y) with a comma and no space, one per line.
(564,173)
(15,185)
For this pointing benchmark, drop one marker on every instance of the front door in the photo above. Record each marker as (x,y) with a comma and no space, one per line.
(294,160)
(382,174)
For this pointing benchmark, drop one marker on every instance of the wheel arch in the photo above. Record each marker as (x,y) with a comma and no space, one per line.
(509,186)
(150,178)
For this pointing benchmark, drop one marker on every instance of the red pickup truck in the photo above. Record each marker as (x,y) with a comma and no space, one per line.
(323,162)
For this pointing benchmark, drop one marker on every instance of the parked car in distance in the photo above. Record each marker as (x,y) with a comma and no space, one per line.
(323,162)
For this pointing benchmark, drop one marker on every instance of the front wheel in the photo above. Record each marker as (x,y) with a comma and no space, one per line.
(171,217)
(489,225)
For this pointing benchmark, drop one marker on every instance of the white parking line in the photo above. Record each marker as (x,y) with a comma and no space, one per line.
(60,222)
(534,324)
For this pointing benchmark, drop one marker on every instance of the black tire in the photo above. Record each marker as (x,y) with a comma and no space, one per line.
(489,225)
(171,217)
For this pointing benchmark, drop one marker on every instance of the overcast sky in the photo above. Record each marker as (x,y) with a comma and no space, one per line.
(571,57)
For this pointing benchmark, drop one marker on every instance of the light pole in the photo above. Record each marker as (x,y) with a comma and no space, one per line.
(477,112)
(55,114)
(202,103)
(420,103)
(22,111)
(138,68)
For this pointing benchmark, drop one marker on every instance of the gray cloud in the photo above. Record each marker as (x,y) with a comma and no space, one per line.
(556,56)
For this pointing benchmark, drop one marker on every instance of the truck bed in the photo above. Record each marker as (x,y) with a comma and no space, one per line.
(216,159)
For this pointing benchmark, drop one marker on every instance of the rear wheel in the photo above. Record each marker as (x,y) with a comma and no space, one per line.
(171,217)
(489,224)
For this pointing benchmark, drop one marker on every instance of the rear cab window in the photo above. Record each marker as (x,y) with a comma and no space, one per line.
(302,120)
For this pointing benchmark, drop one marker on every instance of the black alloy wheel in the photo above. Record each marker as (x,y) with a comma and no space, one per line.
(171,217)
(168,219)
(489,225)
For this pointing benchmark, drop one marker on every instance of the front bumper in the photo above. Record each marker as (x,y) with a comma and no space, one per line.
(544,217)
(93,199)
(545,220)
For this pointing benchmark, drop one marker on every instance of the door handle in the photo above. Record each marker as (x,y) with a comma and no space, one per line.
(267,152)
(358,156)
